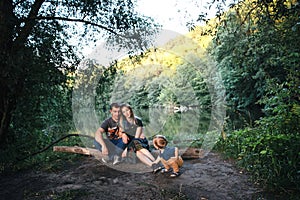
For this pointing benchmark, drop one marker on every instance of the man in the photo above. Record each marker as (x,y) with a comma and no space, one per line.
(112,147)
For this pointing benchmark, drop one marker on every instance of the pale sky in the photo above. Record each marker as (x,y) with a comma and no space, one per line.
(173,14)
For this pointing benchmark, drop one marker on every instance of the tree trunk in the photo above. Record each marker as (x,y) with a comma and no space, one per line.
(13,68)
(189,153)
(7,24)
(6,107)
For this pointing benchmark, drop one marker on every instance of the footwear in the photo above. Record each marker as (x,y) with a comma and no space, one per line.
(105,159)
(117,160)
(156,168)
(164,171)
(174,174)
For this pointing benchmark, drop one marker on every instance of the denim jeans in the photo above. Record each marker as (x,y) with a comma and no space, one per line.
(115,147)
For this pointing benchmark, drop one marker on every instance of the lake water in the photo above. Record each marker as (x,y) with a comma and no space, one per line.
(180,128)
(195,127)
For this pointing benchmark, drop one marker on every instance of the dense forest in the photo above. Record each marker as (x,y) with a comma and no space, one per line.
(253,46)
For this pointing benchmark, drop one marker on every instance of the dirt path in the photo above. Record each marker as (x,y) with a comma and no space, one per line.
(208,178)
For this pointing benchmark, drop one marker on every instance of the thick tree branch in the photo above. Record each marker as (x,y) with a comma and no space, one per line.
(52,143)
(26,30)
(246,17)
(75,20)
(189,153)
(7,20)
(131,37)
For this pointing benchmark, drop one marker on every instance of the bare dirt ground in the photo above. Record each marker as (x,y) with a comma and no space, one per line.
(210,177)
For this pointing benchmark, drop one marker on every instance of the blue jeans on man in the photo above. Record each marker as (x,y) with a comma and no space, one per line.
(115,147)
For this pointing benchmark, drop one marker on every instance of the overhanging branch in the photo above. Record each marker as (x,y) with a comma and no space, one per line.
(130,37)
(76,20)
(85,22)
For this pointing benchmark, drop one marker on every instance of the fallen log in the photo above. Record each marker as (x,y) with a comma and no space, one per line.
(189,153)
(78,150)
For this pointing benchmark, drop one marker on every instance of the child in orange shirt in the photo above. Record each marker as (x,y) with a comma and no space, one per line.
(168,156)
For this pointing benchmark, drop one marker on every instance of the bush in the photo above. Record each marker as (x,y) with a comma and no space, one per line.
(272,159)
(271,150)
(32,153)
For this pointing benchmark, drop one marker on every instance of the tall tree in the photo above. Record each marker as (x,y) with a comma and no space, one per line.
(34,41)
(253,40)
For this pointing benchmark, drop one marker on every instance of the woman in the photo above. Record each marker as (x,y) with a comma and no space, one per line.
(136,140)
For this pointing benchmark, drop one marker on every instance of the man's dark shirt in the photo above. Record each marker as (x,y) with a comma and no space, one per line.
(108,123)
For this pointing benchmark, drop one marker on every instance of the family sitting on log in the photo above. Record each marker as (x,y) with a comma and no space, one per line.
(124,132)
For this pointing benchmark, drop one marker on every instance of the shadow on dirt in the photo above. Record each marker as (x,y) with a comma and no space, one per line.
(208,178)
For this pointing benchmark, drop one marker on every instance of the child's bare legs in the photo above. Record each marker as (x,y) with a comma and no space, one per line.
(147,153)
(145,156)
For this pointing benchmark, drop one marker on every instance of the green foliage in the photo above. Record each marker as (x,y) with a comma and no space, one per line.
(38,65)
(162,78)
(272,159)
(250,50)
(270,151)
(37,55)
(19,155)
(50,110)
(255,46)
(256,53)
(104,88)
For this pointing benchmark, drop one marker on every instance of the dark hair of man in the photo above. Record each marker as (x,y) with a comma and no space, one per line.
(114,105)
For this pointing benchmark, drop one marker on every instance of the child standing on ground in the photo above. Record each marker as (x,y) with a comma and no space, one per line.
(168,156)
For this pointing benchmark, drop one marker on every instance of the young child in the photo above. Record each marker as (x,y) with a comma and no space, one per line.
(167,155)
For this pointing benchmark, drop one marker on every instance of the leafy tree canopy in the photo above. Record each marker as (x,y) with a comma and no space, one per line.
(251,45)
(35,42)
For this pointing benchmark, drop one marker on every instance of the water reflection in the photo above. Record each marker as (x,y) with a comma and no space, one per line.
(182,129)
